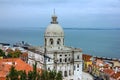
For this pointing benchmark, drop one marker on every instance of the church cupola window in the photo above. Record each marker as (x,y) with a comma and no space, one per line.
(51,41)
(58,41)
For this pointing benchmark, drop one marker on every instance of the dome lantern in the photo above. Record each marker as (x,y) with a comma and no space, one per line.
(54,19)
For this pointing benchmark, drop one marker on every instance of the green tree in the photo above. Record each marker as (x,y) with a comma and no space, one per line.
(59,76)
(16,53)
(23,75)
(13,74)
(33,75)
(2,53)
(52,75)
(9,55)
(30,75)
(45,75)
(35,71)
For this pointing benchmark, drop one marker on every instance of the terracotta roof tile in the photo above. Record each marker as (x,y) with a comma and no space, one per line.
(86,57)
(116,75)
(106,66)
(5,65)
(2,78)
(108,71)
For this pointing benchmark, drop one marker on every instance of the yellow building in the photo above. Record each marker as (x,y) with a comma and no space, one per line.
(86,61)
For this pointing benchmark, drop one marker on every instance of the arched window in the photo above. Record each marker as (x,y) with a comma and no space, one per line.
(48,69)
(65,73)
(51,41)
(60,59)
(58,41)
(70,72)
(78,57)
(45,41)
(77,65)
(65,59)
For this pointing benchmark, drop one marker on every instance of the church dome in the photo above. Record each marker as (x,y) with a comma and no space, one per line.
(54,29)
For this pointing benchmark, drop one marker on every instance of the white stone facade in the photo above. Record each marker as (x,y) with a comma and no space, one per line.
(59,57)
(35,57)
(65,59)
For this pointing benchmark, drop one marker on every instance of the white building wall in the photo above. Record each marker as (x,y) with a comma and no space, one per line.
(34,57)
(78,66)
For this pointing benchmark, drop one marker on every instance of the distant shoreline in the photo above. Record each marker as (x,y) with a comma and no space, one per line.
(38,28)
(91,28)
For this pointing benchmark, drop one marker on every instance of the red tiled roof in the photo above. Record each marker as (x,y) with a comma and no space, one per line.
(108,71)
(116,75)
(2,78)
(106,66)
(86,57)
(5,65)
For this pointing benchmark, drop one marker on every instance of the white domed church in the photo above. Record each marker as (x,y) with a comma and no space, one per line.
(65,59)
(68,60)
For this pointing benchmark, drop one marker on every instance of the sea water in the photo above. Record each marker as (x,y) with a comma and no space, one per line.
(104,43)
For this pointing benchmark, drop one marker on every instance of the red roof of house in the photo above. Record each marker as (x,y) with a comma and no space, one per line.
(2,78)
(108,71)
(5,65)
(116,75)
(106,66)
(86,57)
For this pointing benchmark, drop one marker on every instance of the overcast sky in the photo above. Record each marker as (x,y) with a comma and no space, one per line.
(71,13)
